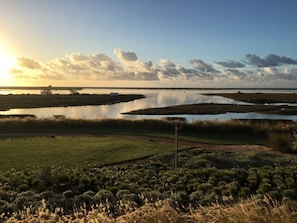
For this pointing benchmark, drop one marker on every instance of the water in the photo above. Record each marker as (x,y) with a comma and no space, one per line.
(154,98)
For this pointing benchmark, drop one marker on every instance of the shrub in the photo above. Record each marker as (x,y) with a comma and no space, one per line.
(23,187)
(103,196)
(283,142)
(67,194)
(291,193)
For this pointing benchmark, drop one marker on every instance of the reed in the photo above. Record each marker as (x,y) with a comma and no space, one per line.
(64,124)
(265,210)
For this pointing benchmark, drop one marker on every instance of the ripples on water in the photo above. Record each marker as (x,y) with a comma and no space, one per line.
(154,98)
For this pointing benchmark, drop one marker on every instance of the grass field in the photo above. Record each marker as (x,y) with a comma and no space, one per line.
(78,151)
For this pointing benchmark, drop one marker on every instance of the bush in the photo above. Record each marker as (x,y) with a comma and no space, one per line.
(23,187)
(103,196)
(283,142)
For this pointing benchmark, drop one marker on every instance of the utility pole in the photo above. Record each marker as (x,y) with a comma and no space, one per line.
(176,146)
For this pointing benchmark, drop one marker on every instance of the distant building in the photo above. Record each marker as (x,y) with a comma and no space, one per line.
(59,116)
(176,119)
(73,91)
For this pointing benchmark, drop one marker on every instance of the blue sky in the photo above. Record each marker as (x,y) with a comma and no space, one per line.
(185,43)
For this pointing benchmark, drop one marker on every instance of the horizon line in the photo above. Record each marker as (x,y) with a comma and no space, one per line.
(145,88)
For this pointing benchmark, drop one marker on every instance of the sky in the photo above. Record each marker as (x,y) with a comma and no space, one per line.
(155,43)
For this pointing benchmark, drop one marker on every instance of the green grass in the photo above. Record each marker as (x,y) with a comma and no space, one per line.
(226,139)
(69,151)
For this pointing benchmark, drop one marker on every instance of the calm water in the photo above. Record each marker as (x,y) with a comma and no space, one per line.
(154,98)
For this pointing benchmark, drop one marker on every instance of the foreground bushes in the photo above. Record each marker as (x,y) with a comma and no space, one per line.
(203,178)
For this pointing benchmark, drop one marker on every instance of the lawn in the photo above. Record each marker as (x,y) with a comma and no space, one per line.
(78,151)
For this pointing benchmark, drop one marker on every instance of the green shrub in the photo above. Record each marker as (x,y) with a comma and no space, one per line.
(23,187)
(103,196)
(264,188)
(67,194)
(290,193)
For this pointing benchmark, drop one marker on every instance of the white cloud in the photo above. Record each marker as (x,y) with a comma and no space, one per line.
(125,56)
(270,70)
(28,63)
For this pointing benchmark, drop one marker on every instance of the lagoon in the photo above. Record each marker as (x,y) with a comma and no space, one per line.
(154,98)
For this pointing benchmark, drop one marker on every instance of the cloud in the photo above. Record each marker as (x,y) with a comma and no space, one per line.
(231,64)
(176,72)
(78,67)
(28,63)
(77,57)
(271,60)
(134,66)
(201,66)
(125,56)
(270,70)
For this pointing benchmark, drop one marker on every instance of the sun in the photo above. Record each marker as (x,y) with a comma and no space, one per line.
(7,62)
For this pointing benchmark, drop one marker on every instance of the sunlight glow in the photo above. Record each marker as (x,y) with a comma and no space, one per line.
(7,62)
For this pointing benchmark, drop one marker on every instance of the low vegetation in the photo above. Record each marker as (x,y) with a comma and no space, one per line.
(60,170)
(202,180)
